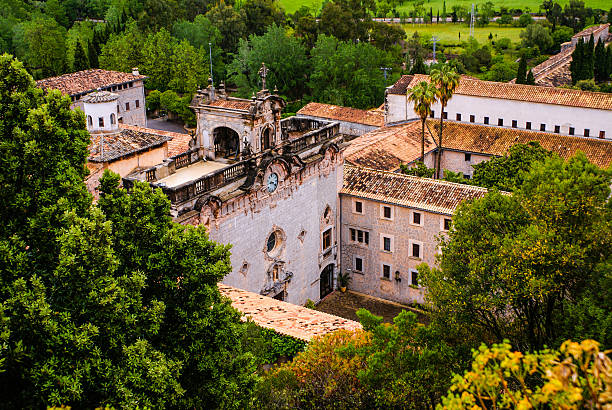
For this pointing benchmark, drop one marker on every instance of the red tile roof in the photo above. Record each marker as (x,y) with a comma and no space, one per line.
(129,140)
(591,30)
(406,190)
(348,114)
(236,104)
(285,318)
(520,92)
(388,147)
(83,82)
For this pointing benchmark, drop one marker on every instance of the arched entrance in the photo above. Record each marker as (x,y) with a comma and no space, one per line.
(266,139)
(326,280)
(227,142)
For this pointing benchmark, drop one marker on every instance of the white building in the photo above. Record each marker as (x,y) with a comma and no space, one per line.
(130,104)
(528,107)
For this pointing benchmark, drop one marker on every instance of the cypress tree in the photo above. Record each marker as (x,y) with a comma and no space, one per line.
(81,62)
(599,62)
(444,11)
(588,59)
(438,17)
(577,62)
(418,67)
(521,73)
(530,78)
(92,55)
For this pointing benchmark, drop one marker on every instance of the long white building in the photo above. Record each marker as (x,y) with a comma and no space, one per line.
(556,110)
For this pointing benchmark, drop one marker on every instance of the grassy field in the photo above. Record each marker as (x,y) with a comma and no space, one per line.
(448,33)
(292,5)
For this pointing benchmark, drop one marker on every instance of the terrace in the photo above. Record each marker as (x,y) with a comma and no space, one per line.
(187,176)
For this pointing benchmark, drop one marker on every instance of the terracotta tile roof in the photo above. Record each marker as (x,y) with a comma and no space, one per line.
(285,318)
(497,141)
(86,81)
(233,104)
(591,30)
(532,93)
(406,190)
(129,140)
(388,147)
(100,97)
(348,114)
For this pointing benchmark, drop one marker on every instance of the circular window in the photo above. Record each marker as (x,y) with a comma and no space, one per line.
(271,244)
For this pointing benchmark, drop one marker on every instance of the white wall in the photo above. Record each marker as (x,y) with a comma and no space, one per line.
(495,108)
(102,110)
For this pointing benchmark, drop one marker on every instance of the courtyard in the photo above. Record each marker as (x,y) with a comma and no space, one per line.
(346,305)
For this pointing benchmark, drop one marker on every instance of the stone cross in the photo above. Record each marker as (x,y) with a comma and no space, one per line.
(263,73)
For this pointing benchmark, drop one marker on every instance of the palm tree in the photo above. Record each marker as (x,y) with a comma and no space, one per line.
(423,95)
(446,80)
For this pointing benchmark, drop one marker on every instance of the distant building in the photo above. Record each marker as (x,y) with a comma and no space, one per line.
(353,122)
(464,146)
(389,226)
(130,105)
(528,107)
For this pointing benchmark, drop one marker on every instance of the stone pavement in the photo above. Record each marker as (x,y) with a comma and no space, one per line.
(164,125)
(346,305)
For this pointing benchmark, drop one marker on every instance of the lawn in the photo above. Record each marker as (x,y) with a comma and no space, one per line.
(448,33)
(291,6)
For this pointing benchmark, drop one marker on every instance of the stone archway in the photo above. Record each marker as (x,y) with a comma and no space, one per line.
(227,143)
(326,281)
(266,138)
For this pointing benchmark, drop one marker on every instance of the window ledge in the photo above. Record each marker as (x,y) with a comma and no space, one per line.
(415,258)
(384,251)
(386,279)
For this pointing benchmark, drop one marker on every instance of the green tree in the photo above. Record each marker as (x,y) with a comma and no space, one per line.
(525,20)
(508,172)
(81,61)
(418,170)
(260,14)
(156,62)
(422,96)
(337,22)
(530,78)
(446,80)
(537,35)
(600,63)
(502,71)
(41,45)
(512,262)
(283,54)
(123,51)
(230,23)
(349,74)
(56,10)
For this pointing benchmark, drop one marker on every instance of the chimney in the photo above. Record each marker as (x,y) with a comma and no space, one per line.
(135,71)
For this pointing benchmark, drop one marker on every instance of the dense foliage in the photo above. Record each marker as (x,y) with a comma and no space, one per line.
(107,304)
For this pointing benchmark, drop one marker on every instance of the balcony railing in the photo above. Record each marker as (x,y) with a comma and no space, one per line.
(313,138)
(206,183)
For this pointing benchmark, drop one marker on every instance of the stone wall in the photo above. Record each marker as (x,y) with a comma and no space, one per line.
(295,210)
(346,128)
(403,234)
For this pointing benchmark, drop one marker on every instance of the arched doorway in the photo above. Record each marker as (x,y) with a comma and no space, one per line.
(266,140)
(227,142)
(326,280)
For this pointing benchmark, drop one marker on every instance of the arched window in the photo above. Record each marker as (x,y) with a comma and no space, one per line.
(113,119)
(89,120)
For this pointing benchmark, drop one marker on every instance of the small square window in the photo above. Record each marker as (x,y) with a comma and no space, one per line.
(500,122)
(602,134)
(468,157)
(445,115)
(127,106)
(542,127)
(467,176)
(131,85)
(557,129)
(416,218)
(416,250)
(117,108)
(472,118)
(571,131)
(386,271)
(358,207)
(514,123)
(458,117)
(414,277)
(528,125)
(433,114)
(137,103)
(386,244)
(586,132)
(101,122)
(358,265)
(353,234)
(387,212)
(486,120)
(447,224)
